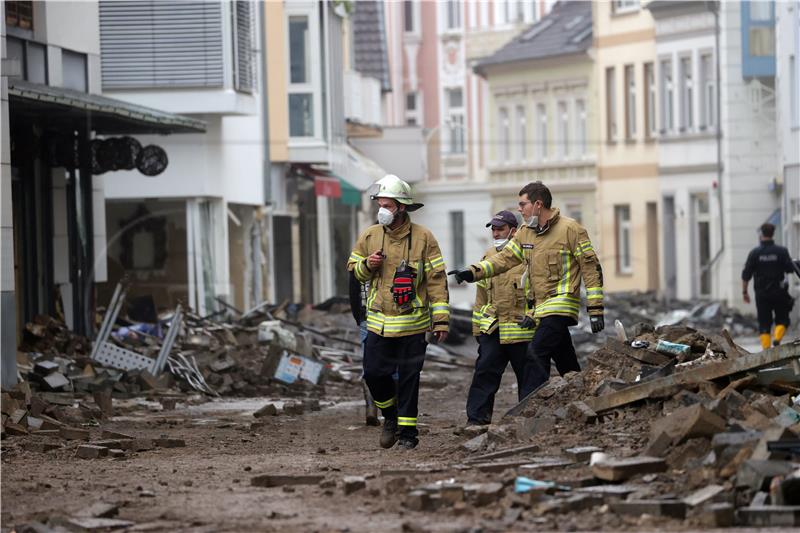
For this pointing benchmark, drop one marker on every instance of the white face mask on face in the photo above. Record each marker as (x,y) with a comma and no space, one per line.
(499,244)
(533,221)
(385,216)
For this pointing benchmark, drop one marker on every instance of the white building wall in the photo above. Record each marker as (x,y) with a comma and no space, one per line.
(749,153)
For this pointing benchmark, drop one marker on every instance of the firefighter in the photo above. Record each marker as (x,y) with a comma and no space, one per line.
(407,297)
(769,263)
(500,304)
(559,254)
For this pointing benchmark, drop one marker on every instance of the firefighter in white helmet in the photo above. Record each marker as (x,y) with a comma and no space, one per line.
(407,297)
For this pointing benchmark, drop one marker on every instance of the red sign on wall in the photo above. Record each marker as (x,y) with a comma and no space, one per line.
(327,186)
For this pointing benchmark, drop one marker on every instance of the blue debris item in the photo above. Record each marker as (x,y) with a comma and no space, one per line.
(523,484)
(672,348)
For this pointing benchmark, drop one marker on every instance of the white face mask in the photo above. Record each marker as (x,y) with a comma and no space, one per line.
(385,216)
(499,244)
(533,221)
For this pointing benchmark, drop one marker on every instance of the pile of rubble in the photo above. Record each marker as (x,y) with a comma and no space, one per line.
(671,423)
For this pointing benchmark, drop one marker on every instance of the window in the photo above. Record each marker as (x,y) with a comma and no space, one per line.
(649,101)
(19,14)
(504,133)
(573,208)
(73,67)
(457,233)
(32,58)
(794,88)
(611,105)
(453,14)
(580,128)
(522,134)
(708,96)
(702,241)
(243,45)
(303,88)
(541,132)
(563,130)
(687,94)
(666,93)
(412,109)
(455,111)
(622,218)
(408,16)
(625,6)
(630,102)
(760,10)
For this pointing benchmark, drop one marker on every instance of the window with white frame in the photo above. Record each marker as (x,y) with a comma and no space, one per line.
(522,134)
(455,120)
(541,132)
(666,95)
(453,14)
(412,109)
(630,102)
(563,130)
(687,93)
(625,6)
(503,135)
(580,127)
(702,238)
(622,219)
(611,105)
(649,101)
(794,89)
(708,96)
(303,88)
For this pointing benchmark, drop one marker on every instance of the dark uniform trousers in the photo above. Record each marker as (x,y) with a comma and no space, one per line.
(383,356)
(493,358)
(553,341)
(775,301)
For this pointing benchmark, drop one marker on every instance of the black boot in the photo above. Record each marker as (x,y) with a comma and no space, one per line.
(389,433)
(407,443)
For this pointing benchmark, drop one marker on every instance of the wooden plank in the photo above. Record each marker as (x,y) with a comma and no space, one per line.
(527,448)
(642,355)
(744,363)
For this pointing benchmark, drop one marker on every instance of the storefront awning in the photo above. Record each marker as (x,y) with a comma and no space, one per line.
(109,116)
(362,171)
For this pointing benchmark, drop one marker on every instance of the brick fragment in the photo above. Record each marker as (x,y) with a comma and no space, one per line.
(279,480)
(622,469)
(352,484)
(90,451)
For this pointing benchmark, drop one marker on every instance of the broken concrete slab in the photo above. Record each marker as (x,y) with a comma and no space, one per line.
(352,484)
(165,442)
(485,493)
(418,500)
(777,433)
(667,508)
(56,381)
(736,439)
(687,423)
(568,504)
(704,495)
(710,371)
(99,510)
(581,454)
(757,474)
(476,444)
(528,448)
(71,433)
(717,515)
(93,524)
(610,493)
(770,516)
(268,410)
(90,451)
(622,469)
(111,434)
(642,355)
(581,412)
(280,480)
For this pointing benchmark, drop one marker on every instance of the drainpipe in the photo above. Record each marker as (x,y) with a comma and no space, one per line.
(266,161)
(714,7)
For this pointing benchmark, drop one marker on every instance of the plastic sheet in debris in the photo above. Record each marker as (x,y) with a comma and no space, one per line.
(293,367)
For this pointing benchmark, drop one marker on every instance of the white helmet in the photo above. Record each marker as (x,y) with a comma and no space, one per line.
(390,186)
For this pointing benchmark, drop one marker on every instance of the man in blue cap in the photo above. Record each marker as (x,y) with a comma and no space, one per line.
(501,304)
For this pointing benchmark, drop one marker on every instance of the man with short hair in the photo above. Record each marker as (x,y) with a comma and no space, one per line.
(501,303)
(559,255)
(769,263)
(407,297)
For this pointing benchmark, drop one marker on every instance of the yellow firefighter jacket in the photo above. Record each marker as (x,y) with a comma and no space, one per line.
(559,256)
(430,309)
(501,303)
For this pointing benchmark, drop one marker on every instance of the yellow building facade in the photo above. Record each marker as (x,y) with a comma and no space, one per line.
(627,162)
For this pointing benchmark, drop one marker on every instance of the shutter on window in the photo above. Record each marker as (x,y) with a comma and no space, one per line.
(160,43)
(243,45)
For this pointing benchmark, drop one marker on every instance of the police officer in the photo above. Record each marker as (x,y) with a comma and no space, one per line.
(407,297)
(500,304)
(559,255)
(769,263)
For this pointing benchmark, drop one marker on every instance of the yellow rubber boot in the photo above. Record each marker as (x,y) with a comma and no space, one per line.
(765,340)
(780,331)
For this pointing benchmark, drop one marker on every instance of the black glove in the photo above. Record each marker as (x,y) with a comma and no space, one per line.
(526,323)
(462,275)
(598,323)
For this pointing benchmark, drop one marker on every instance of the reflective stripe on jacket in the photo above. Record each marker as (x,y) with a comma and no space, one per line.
(430,309)
(559,256)
(501,303)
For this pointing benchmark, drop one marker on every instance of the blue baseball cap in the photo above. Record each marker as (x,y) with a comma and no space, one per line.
(503,218)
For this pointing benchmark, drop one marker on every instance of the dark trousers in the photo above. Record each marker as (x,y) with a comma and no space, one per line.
(383,356)
(493,358)
(777,303)
(553,341)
